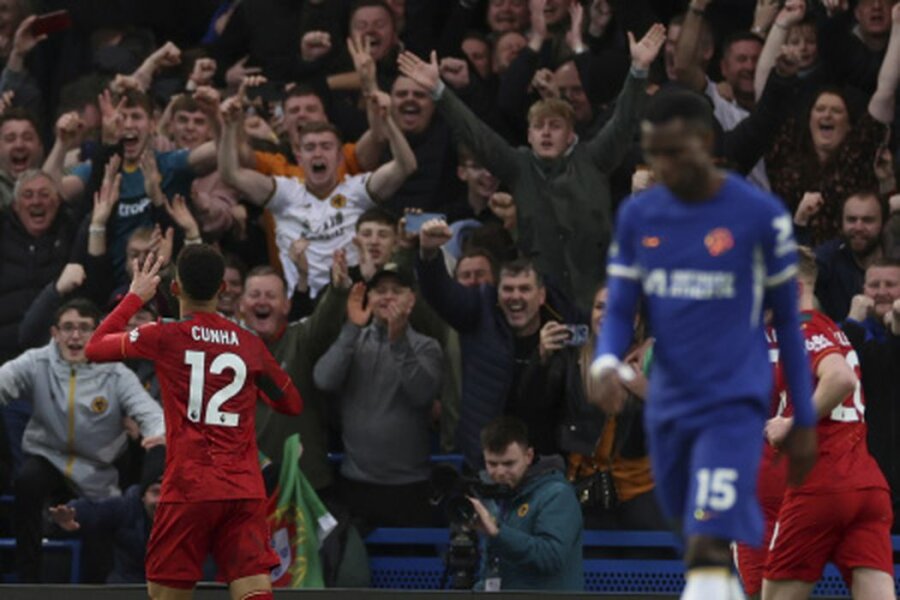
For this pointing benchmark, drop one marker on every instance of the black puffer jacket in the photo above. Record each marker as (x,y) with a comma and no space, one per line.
(27,264)
(488,350)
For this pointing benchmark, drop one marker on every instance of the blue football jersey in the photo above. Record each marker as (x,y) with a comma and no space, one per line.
(703,269)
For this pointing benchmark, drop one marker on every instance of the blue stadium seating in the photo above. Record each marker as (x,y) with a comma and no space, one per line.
(605,576)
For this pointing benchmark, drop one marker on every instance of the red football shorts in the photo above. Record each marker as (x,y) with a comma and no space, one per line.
(851,529)
(750,561)
(235,532)
(771,485)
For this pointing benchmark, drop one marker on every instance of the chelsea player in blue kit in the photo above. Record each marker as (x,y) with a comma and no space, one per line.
(709,252)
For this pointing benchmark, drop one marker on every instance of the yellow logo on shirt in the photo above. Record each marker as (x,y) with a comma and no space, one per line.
(338,201)
(99,405)
(523,510)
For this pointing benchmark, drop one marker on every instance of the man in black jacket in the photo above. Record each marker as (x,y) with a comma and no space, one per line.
(36,237)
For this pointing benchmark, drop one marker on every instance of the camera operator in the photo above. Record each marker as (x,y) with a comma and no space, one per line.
(533,535)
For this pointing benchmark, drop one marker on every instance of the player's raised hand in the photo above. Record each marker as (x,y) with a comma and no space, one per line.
(644,52)
(801,449)
(146,277)
(357,312)
(64,516)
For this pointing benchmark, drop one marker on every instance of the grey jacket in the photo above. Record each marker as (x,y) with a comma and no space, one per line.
(386,392)
(77,419)
(564,205)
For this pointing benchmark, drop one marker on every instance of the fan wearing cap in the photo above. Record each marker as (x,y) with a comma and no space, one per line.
(386,377)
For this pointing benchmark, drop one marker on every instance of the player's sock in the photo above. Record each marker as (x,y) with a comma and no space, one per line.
(706,583)
(258,595)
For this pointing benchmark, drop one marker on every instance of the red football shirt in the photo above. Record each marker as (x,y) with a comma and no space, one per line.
(844,462)
(211,372)
(773,467)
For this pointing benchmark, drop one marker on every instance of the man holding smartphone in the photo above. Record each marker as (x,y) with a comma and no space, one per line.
(499,331)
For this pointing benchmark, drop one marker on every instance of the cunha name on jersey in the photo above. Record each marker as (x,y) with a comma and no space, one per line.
(214,336)
(689,284)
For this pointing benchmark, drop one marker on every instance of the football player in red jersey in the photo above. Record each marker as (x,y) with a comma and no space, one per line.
(211,372)
(842,512)
(770,486)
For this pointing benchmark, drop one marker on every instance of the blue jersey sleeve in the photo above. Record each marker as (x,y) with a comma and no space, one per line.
(623,285)
(177,160)
(82,171)
(780,250)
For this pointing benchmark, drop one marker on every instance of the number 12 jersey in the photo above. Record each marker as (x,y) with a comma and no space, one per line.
(210,372)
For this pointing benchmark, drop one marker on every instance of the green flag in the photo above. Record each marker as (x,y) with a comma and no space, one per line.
(299,522)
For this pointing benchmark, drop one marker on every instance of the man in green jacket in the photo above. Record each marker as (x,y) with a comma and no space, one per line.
(560,185)
(534,536)
(296,346)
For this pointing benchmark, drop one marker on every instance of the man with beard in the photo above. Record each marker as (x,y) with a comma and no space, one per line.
(842,262)
(20,149)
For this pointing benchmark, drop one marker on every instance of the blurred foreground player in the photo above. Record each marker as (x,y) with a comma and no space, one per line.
(211,372)
(708,250)
(842,512)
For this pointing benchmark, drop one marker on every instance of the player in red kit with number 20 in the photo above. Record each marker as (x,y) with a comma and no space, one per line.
(842,512)
(211,372)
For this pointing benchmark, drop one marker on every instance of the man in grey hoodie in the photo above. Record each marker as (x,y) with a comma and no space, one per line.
(76,429)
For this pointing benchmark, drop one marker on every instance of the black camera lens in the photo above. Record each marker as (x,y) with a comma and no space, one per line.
(460,510)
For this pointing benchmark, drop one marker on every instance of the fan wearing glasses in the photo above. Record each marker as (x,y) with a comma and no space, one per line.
(75,431)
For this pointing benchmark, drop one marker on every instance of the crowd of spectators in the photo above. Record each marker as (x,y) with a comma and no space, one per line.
(415,199)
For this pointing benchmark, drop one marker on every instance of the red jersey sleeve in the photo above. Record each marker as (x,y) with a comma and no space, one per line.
(276,388)
(111,342)
(819,344)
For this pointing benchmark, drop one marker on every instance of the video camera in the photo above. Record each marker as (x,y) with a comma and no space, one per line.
(452,490)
